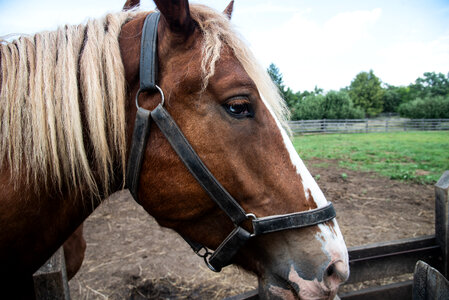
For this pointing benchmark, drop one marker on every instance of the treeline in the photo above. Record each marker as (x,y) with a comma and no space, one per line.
(367,96)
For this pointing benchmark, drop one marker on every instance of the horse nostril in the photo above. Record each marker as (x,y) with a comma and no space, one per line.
(335,274)
(330,270)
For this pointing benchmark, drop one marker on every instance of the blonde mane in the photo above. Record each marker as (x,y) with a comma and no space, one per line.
(43,79)
(62,90)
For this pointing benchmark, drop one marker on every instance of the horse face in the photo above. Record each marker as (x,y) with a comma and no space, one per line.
(240,140)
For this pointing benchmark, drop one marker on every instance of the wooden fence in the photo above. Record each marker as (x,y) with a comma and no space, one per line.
(367,125)
(389,259)
(50,281)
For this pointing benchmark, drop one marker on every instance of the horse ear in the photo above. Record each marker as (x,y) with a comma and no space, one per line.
(228,10)
(130,4)
(177,16)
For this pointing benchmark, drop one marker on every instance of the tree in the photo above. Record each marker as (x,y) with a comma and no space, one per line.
(394,96)
(287,94)
(432,84)
(290,98)
(276,76)
(366,92)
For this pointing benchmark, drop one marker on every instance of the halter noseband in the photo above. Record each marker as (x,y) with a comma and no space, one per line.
(223,255)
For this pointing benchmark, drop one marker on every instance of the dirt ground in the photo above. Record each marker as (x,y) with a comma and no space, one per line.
(130,257)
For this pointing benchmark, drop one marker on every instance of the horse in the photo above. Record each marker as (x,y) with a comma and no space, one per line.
(180,112)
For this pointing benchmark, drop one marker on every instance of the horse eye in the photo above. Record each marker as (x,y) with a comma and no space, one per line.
(239,108)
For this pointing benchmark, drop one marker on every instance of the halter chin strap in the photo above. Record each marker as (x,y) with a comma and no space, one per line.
(239,236)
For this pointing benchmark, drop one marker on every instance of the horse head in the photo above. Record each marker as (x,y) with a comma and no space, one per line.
(229,111)
(230,180)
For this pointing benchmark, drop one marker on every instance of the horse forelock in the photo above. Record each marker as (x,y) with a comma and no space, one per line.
(55,84)
(217,31)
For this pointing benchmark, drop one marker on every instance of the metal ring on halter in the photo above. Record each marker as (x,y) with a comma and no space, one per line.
(253,217)
(160,92)
(205,255)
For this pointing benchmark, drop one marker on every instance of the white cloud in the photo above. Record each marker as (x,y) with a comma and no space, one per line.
(268,8)
(403,62)
(348,28)
(309,53)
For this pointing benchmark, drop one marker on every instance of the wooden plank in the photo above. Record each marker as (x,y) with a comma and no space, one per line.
(442,219)
(429,284)
(378,249)
(393,258)
(395,291)
(50,281)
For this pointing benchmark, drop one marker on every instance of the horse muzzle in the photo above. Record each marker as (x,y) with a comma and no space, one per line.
(300,267)
(293,286)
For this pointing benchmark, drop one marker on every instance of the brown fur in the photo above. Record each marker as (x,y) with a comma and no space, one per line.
(131,4)
(74,249)
(242,169)
(228,10)
(202,65)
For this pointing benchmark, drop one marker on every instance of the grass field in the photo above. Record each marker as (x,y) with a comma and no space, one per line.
(411,156)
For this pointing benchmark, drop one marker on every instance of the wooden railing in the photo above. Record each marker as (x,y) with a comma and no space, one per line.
(367,125)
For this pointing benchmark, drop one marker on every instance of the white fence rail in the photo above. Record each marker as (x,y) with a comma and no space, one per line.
(367,125)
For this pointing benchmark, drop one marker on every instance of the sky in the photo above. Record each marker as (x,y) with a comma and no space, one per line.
(323,43)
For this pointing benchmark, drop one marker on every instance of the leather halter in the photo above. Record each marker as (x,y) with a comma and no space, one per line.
(223,255)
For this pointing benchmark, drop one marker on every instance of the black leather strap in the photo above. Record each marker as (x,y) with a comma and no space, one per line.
(228,249)
(148,76)
(196,167)
(293,221)
(196,247)
(136,152)
(148,53)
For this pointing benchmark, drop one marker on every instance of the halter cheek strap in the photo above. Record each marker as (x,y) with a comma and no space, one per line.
(148,76)
(239,236)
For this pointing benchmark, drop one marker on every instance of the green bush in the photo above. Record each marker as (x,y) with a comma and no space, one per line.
(309,108)
(338,105)
(426,108)
(333,105)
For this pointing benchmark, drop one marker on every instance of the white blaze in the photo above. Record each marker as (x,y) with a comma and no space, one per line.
(331,239)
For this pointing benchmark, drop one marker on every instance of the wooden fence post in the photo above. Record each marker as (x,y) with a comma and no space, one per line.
(50,281)
(442,218)
(429,284)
